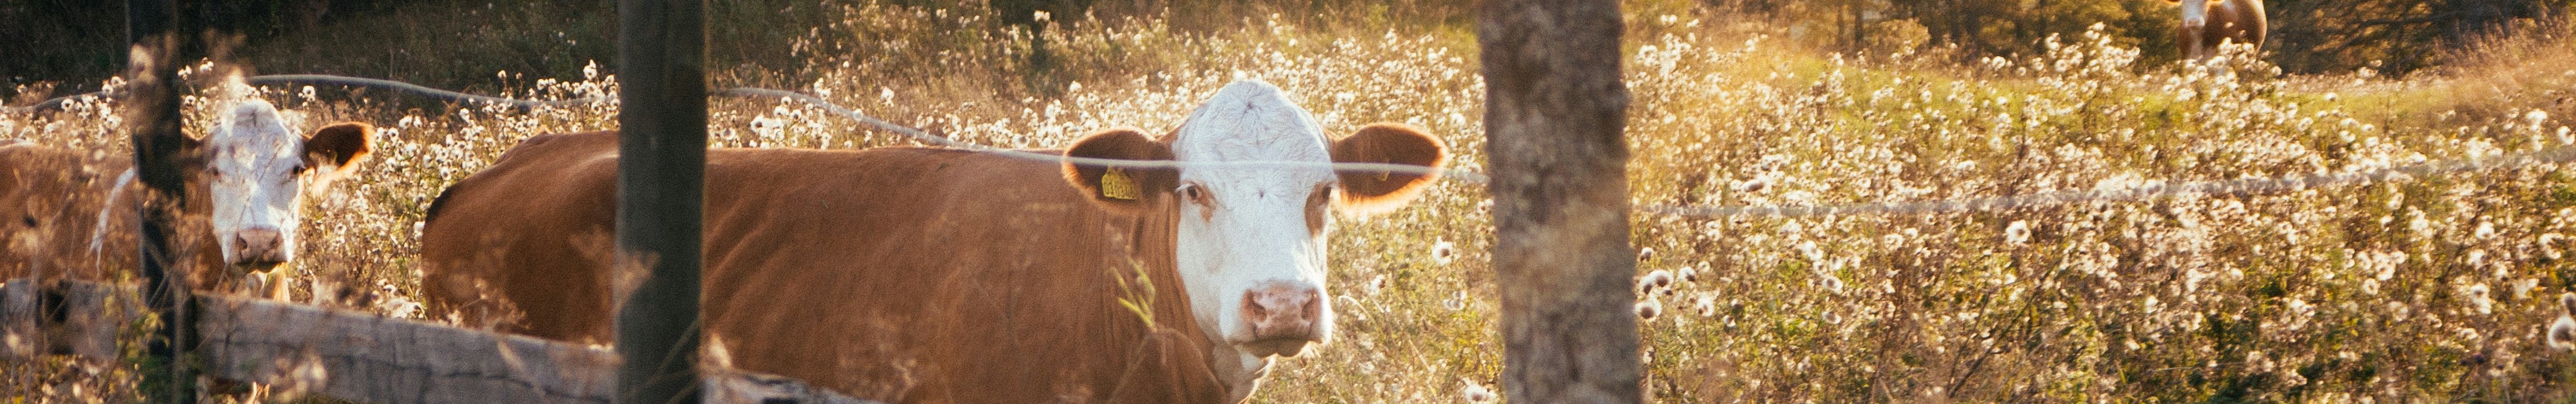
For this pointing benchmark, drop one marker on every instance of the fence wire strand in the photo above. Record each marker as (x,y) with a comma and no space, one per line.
(2236,187)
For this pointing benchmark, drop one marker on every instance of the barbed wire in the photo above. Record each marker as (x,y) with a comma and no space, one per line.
(324,79)
(2245,186)
(2237,187)
(926,137)
(836,109)
(451,96)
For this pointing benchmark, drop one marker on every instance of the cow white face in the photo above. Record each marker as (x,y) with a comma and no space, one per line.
(1250,239)
(255,174)
(2195,14)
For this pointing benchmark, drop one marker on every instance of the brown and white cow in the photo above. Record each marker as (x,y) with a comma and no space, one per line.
(942,275)
(2206,24)
(71,215)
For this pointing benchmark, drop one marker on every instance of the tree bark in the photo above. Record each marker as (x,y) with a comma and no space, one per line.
(661,187)
(157,32)
(1555,109)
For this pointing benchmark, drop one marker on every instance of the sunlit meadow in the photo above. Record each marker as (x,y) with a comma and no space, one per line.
(2431,289)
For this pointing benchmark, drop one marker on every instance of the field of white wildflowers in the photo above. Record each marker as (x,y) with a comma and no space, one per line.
(2423,289)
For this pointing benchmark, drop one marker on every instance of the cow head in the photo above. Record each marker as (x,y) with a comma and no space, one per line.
(1250,238)
(255,172)
(2195,22)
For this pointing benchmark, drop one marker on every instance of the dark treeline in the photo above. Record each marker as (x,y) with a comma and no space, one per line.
(55,47)
(2307,36)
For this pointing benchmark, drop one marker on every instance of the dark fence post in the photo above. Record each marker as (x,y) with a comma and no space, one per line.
(159,34)
(1555,107)
(661,52)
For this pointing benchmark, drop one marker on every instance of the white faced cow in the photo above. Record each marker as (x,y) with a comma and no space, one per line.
(2206,24)
(942,275)
(68,217)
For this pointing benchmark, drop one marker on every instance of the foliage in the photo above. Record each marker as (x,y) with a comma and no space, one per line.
(2425,289)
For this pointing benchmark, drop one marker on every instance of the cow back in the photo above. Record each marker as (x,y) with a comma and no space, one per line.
(909,274)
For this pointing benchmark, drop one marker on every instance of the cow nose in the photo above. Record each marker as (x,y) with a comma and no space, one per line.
(258,246)
(1284,315)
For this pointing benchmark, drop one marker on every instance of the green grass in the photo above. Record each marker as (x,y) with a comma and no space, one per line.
(2326,295)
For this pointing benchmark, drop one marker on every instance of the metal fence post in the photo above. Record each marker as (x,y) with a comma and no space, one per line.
(661,52)
(159,34)
(1555,109)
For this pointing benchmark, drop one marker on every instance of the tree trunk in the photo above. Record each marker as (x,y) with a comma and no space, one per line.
(661,187)
(160,35)
(1555,108)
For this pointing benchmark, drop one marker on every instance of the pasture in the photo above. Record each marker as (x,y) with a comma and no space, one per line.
(2438,288)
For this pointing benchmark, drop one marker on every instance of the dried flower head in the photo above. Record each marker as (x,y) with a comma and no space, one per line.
(2562,333)
(2481,297)
(2548,244)
(1649,309)
(1652,281)
(1475,392)
(1443,252)
(2017,233)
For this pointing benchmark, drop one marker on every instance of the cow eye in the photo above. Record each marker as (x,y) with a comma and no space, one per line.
(1194,194)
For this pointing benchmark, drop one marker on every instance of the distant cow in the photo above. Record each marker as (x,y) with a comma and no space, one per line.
(943,275)
(69,214)
(2209,23)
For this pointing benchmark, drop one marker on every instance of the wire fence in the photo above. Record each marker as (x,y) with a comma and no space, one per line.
(2237,187)
(2151,191)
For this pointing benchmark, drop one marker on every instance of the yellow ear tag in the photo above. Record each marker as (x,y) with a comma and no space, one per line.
(1116,185)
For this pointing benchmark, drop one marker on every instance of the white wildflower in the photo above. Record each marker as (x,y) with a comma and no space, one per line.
(1649,309)
(1475,392)
(2018,232)
(2478,296)
(1652,281)
(2562,333)
(1443,252)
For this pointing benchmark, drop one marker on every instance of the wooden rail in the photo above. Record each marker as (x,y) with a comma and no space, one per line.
(354,355)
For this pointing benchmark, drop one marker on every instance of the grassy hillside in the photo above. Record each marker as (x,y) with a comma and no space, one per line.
(2435,289)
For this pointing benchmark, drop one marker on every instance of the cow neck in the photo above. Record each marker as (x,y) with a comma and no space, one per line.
(1155,232)
(192,230)
(1175,335)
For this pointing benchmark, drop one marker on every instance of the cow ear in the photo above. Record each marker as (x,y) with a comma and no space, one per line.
(1120,188)
(1366,191)
(340,146)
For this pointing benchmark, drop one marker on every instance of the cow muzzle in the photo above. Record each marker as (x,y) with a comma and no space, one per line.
(1284,318)
(258,248)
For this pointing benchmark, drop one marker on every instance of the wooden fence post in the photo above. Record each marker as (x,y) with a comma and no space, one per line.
(1555,108)
(159,34)
(661,52)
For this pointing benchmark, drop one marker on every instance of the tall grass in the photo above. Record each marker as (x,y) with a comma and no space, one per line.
(2432,289)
